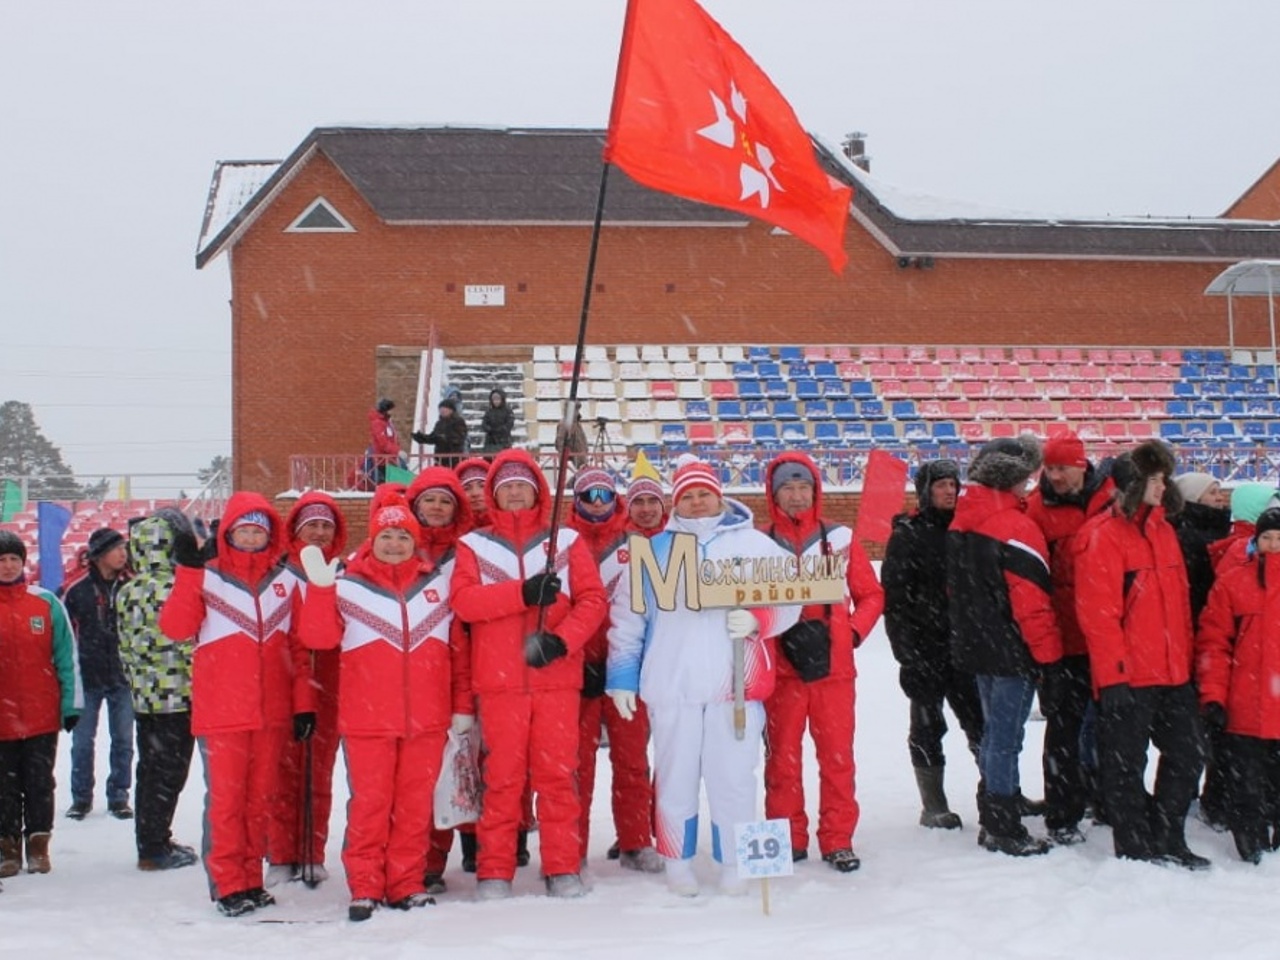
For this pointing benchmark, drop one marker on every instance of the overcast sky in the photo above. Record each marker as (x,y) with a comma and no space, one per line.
(115,111)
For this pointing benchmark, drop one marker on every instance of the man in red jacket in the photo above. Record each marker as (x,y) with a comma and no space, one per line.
(816,672)
(1002,625)
(601,520)
(527,681)
(1070,491)
(1134,606)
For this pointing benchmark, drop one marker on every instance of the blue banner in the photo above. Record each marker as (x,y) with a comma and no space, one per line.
(52,520)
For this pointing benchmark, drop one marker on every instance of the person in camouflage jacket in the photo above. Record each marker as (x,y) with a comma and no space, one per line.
(159,674)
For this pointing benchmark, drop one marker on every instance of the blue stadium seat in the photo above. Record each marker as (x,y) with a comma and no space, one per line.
(1224,430)
(728,410)
(1214,356)
(673,434)
(1193,356)
(756,354)
(1237,388)
(1265,371)
(944,431)
(1191,371)
(1258,407)
(845,410)
(758,410)
(1238,371)
(1196,429)
(884,433)
(827,434)
(799,371)
(786,410)
(1259,388)
(808,390)
(861,388)
(697,410)
(769,370)
(1273,429)
(817,410)
(871,409)
(765,434)
(915,431)
(826,369)
(1254,430)
(1178,408)
(744,371)
(1171,431)
(1183,389)
(790,354)
(794,434)
(904,410)
(750,390)
(1233,409)
(1206,409)
(1215,371)
(856,434)
(777,389)
(834,388)
(1215,389)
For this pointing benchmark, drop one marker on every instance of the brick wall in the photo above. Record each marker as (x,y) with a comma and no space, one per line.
(310,311)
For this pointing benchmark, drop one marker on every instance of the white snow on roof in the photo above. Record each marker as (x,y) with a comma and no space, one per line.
(234,183)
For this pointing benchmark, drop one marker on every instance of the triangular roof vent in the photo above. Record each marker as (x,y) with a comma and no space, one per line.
(320,217)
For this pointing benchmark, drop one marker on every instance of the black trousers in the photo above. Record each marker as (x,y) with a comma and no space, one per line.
(26,785)
(929,687)
(1251,771)
(1065,703)
(1143,825)
(164,745)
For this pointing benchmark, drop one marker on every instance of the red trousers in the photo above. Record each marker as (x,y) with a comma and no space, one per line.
(285,842)
(827,707)
(629,758)
(531,737)
(242,779)
(389,813)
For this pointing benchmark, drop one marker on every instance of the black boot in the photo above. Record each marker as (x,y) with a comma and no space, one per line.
(522,848)
(1172,848)
(467,840)
(1251,844)
(934,812)
(1004,832)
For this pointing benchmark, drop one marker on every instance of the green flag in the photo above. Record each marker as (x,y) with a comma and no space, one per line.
(399,474)
(12,501)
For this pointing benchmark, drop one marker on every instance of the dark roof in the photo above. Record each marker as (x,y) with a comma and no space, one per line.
(476,175)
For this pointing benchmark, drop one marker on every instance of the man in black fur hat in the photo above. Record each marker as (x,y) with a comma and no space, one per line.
(1134,606)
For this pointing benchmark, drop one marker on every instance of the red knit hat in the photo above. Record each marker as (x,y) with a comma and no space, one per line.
(691,473)
(1066,450)
(514,471)
(394,514)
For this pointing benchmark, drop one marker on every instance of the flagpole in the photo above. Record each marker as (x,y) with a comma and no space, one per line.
(571,408)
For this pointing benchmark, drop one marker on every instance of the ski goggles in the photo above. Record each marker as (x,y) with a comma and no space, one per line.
(597,495)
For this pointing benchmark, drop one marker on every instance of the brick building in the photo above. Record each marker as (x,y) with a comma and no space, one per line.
(372,243)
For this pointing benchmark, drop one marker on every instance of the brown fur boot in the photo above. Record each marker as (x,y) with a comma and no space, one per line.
(38,853)
(10,856)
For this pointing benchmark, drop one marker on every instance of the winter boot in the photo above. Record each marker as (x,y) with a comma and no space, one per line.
(361,909)
(38,853)
(260,898)
(434,883)
(10,856)
(934,812)
(468,843)
(522,848)
(680,877)
(1004,832)
(1172,849)
(1030,808)
(644,860)
(566,886)
(842,861)
(235,904)
(1251,844)
(413,900)
(494,889)
(278,873)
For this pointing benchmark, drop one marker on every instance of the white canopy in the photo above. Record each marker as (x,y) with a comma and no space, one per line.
(1249,278)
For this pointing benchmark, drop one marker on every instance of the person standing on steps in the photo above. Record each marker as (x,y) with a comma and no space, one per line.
(498,421)
(817,674)
(914,577)
(1003,630)
(448,436)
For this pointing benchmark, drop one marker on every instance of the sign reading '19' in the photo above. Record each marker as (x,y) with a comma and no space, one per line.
(731,581)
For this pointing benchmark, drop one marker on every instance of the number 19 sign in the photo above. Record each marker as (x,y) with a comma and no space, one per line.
(764,849)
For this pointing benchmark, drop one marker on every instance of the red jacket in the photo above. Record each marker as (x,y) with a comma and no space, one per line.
(1060,520)
(39,672)
(382,434)
(1238,648)
(607,542)
(1232,551)
(404,667)
(805,535)
(1132,600)
(487,584)
(244,672)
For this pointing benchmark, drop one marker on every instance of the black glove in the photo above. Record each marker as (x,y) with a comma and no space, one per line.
(540,590)
(186,551)
(593,674)
(541,649)
(304,725)
(420,437)
(69,722)
(1214,716)
(1117,698)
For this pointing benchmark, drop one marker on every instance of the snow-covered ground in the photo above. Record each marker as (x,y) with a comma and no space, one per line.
(920,893)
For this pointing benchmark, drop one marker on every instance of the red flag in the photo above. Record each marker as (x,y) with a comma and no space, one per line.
(693,115)
(883,494)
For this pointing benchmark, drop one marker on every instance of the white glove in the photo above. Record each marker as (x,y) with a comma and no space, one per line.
(741,623)
(319,572)
(462,723)
(624,701)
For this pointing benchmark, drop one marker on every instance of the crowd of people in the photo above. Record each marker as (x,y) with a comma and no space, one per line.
(1137,606)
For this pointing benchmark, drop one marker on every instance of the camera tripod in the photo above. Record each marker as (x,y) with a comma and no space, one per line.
(604,450)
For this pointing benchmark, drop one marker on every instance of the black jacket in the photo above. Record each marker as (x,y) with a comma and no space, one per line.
(497,424)
(1198,526)
(914,577)
(91,605)
(449,435)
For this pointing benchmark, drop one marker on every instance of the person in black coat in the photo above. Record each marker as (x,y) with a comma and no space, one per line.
(914,577)
(448,436)
(498,421)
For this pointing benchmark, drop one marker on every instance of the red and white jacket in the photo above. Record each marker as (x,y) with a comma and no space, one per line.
(493,564)
(237,607)
(607,542)
(404,661)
